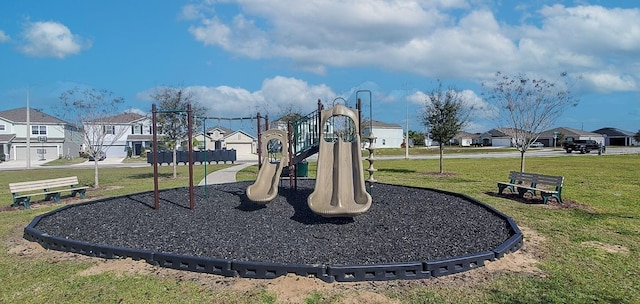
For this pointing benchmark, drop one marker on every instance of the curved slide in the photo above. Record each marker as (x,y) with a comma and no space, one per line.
(265,188)
(340,190)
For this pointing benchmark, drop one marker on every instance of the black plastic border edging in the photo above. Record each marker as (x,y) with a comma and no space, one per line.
(262,270)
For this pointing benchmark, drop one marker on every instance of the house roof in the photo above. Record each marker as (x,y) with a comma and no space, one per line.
(464,134)
(227,135)
(381,125)
(122,118)
(568,132)
(614,132)
(219,128)
(499,132)
(6,138)
(35,116)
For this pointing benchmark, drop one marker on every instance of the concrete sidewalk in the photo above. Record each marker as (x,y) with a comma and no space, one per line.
(227,175)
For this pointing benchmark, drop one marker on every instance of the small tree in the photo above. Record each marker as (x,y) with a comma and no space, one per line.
(528,106)
(172,117)
(637,136)
(560,137)
(445,114)
(92,110)
(417,137)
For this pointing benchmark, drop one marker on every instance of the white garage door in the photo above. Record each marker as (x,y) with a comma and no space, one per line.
(50,152)
(241,149)
(501,142)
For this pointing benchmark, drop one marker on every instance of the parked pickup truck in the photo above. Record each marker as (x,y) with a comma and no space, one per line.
(584,146)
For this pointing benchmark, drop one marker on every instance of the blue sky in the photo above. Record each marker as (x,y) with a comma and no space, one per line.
(247,56)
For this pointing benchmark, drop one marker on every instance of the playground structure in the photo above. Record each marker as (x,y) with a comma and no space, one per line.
(189,160)
(340,188)
(265,188)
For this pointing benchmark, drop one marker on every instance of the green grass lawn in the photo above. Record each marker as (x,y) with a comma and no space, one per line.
(603,192)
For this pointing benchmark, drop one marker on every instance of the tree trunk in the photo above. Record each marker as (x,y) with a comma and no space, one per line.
(175,163)
(522,161)
(441,158)
(96,182)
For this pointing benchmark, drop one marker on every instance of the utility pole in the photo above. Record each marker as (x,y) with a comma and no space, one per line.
(28,133)
(406,137)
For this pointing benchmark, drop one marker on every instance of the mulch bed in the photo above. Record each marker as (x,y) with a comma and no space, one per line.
(404,224)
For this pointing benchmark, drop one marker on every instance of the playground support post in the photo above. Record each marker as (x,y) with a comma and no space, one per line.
(293,182)
(372,138)
(259,148)
(190,132)
(156,195)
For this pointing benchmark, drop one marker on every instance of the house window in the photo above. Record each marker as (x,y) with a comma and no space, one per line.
(2,128)
(109,129)
(136,129)
(38,130)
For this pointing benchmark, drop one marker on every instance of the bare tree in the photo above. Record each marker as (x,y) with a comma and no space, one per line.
(528,106)
(445,114)
(92,111)
(172,117)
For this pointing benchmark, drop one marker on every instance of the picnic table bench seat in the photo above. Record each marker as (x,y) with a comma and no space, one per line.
(548,186)
(50,188)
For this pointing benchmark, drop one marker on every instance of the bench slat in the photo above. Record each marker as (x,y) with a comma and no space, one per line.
(50,188)
(525,182)
(43,184)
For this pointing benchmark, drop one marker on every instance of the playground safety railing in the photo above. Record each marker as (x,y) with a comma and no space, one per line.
(305,133)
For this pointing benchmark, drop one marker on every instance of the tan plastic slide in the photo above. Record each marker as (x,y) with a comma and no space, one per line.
(265,188)
(340,189)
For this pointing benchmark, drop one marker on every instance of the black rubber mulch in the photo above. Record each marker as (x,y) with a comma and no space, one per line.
(404,224)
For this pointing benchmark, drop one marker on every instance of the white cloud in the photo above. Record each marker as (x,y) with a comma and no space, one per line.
(51,39)
(480,109)
(137,111)
(418,98)
(4,37)
(600,43)
(452,39)
(275,96)
(606,82)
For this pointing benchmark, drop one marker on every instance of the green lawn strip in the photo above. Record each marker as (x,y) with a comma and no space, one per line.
(113,181)
(574,270)
(65,162)
(134,160)
(436,151)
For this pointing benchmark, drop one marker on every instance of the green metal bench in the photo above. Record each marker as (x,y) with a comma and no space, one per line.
(50,188)
(523,183)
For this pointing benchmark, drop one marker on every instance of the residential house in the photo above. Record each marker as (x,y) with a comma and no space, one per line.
(46,137)
(617,137)
(495,137)
(123,132)
(465,139)
(387,135)
(219,138)
(555,137)
(241,141)
(213,139)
